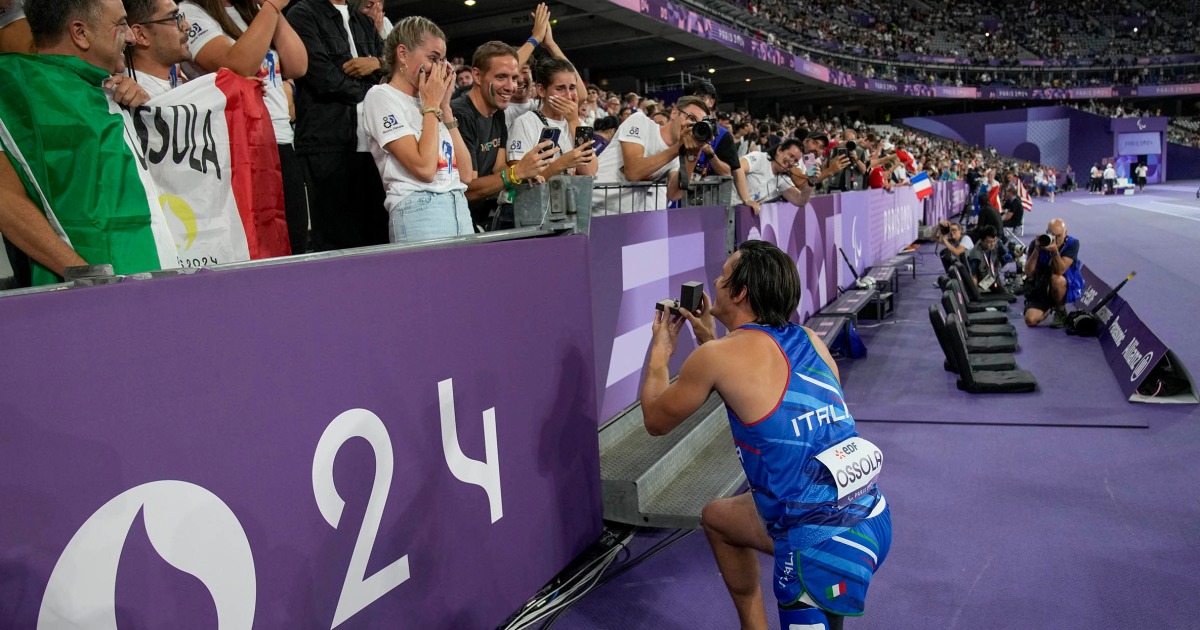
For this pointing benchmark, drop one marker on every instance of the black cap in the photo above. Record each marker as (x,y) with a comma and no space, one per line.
(823,137)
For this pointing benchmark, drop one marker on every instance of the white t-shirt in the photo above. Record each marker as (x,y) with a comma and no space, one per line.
(762,183)
(155,86)
(527,131)
(14,12)
(345,11)
(638,129)
(515,111)
(1110,173)
(204,29)
(1142,170)
(388,115)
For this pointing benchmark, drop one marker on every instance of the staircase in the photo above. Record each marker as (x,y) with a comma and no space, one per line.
(665,481)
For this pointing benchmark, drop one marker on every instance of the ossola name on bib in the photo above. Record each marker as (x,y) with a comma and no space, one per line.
(854,465)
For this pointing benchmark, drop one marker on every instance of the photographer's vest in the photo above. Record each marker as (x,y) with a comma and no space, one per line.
(810,474)
(702,165)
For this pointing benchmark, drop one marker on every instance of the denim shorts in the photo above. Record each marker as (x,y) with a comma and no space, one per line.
(422,216)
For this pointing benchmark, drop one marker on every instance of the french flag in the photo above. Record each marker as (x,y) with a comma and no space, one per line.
(921,185)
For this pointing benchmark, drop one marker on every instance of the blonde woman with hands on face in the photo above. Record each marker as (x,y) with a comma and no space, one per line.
(420,154)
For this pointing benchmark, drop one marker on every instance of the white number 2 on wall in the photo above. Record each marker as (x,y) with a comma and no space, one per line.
(195,532)
(358,590)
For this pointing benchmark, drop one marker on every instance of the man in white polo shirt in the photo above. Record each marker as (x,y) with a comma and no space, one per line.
(647,152)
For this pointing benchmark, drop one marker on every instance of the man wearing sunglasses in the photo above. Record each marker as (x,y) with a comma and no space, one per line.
(158,44)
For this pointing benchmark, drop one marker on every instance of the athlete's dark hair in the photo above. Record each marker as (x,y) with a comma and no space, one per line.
(770,279)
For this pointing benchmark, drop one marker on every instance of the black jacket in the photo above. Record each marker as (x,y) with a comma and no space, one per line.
(326,98)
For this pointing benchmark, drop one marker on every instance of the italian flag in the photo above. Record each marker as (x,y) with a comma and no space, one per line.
(94,168)
(835,590)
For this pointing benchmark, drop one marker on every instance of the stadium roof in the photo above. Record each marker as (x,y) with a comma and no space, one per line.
(617,44)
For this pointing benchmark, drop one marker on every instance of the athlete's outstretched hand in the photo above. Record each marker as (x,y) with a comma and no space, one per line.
(701,321)
(666,330)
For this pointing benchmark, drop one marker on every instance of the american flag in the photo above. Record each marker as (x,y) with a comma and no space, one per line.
(1026,202)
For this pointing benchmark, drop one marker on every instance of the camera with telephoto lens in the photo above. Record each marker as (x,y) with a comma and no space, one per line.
(705,129)
(847,149)
(1044,240)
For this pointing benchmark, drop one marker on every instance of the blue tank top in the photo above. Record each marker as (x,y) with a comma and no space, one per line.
(794,492)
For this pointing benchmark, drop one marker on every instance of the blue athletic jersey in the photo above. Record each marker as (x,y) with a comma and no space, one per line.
(793,491)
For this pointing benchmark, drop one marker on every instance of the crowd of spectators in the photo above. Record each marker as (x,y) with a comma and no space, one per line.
(1097,45)
(1185,131)
(379,131)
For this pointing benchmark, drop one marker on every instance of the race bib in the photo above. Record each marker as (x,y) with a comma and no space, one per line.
(854,464)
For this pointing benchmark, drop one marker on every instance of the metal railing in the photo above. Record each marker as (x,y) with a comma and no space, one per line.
(564,205)
(627,197)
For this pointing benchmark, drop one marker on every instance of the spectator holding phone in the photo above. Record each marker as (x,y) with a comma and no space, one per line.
(557,120)
(420,154)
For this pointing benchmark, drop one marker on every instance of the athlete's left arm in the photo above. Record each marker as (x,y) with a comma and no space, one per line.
(665,404)
(824,353)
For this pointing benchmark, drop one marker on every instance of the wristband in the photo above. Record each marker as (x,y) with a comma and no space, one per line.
(504,178)
(512,175)
(534,41)
(273,6)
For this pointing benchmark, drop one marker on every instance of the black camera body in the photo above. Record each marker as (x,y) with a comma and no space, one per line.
(705,129)
(847,148)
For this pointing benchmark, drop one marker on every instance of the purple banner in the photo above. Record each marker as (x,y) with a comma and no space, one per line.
(1130,348)
(1168,90)
(868,225)
(811,69)
(736,40)
(946,201)
(894,219)
(346,442)
(636,260)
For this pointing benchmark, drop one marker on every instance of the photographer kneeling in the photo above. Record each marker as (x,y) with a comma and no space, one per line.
(956,243)
(1053,276)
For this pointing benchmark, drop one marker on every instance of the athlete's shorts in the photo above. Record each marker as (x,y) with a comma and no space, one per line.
(834,574)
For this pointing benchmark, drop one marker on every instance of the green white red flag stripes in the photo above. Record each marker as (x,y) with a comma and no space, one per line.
(189,179)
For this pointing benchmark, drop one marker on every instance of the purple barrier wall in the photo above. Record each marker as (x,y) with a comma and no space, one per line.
(636,260)
(946,201)
(1185,162)
(1049,135)
(868,225)
(368,440)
